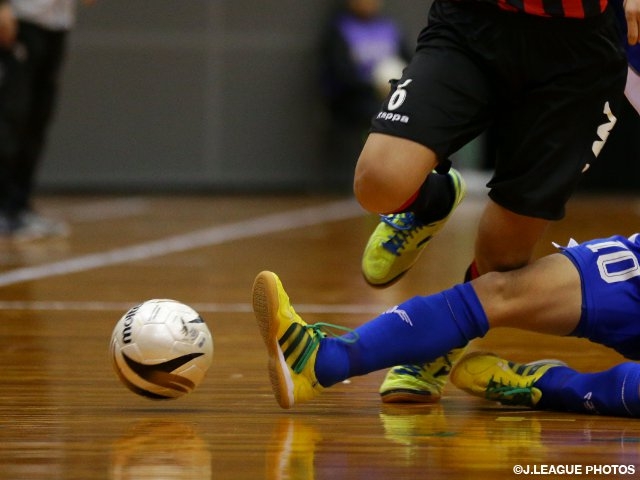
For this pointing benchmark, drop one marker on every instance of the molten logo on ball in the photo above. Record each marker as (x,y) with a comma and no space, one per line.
(161,349)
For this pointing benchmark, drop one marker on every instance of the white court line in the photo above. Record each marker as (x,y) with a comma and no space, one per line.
(106,210)
(277,222)
(97,306)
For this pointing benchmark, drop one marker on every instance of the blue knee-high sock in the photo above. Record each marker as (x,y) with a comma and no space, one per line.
(612,392)
(416,331)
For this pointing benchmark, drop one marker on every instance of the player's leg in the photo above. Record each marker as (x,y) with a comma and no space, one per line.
(589,291)
(545,145)
(15,98)
(395,177)
(544,296)
(455,101)
(303,360)
(397,242)
(384,186)
(506,240)
(615,391)
(442,102)
(550,385)
(27,97)
(46,51)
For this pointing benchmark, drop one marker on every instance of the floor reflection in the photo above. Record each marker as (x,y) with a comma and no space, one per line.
(161,450)
(442,442)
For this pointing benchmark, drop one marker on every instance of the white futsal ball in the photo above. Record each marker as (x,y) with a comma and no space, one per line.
(161,349)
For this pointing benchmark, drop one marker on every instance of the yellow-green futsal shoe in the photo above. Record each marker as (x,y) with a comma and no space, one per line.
(488,376)
(419,383)
(396,243)
(292,344)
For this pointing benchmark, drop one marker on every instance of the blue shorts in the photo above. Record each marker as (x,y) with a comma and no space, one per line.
(610,273)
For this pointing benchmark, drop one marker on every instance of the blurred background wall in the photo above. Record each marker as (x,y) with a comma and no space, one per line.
(218,95)
(194,94)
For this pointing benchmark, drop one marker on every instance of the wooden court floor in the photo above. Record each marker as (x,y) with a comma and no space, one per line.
(64,414)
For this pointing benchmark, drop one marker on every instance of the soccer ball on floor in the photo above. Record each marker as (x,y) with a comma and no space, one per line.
(161,349)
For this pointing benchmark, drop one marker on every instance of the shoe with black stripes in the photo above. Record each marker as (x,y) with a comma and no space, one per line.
(291,343)
(488,376)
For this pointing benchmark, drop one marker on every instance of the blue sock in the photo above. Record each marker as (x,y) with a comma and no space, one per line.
(416,331)
(612,392)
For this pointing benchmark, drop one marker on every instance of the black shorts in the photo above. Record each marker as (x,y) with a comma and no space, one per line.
(548,87)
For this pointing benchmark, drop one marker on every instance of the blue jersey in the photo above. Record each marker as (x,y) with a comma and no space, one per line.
(633,57)
(610,273)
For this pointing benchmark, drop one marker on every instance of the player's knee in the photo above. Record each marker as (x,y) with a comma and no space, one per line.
(380,187)
(370,187)
(496,295)
(390,171)
(497,284)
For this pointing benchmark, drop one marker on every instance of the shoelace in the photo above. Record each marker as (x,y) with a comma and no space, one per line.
(404,226)
(319,331)
(514,394)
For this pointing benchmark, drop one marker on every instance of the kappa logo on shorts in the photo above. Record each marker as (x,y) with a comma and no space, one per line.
(604,129)
(393,117)
(395,101)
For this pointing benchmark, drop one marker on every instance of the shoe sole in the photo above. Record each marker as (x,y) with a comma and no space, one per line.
(409,396)
(382,286)
(265,308)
